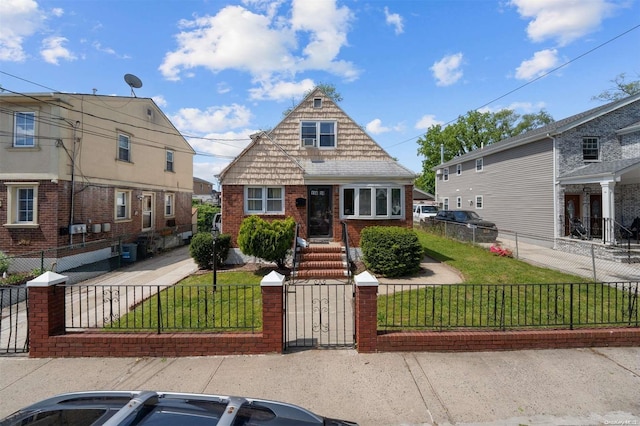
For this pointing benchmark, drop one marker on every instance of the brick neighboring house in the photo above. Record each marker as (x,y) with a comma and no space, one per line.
(586,166)
(77,168)
(319,167)
(203,191)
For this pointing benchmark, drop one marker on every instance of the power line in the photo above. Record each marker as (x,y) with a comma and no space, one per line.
(532,81)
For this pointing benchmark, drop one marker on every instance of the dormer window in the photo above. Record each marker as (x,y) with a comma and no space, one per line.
(317,102)
(318,134)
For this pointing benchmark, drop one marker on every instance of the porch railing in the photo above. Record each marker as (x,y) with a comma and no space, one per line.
(347,249)
(507,306)
(152,308)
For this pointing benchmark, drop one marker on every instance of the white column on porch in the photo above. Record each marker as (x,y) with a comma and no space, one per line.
(608,211)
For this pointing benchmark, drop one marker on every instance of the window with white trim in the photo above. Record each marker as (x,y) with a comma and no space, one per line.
(317,102)
(445,174)
(479,201)
(319,134)
(169,166)
(22,204)
(124,147)
(590,149)
(24,129)
(445,203)
(479,164)
(458,202)
(169,203)
(371,202)
(123,205)
(458,169)
(264,200)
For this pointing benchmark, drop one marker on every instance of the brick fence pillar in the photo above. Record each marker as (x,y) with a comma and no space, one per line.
(46,311)
(366,306)
(272,312)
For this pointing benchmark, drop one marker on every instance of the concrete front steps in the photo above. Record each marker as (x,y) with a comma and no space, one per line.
(321,261)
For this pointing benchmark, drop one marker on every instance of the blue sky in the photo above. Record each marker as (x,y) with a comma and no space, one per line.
(222,70)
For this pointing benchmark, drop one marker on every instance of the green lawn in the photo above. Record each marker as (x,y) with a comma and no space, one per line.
(494,295)
(235,305)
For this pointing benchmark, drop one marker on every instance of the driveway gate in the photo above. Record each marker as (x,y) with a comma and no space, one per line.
(318,315)
(14,320)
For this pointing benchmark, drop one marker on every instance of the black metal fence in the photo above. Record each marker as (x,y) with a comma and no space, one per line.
(152,308)
(507,306)
(14,330)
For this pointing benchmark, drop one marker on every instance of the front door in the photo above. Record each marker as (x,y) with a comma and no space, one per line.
(147,212)
(320,212)
(571,210)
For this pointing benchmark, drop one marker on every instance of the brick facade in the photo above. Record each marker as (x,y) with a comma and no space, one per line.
(233,213)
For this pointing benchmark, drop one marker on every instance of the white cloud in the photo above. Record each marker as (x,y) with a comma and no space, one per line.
(53,50)
(225,146)
(563,21)
(375,127)
(57,12)
(447,70)
(281,90)
(540,64)
(521,107)
(20,19)
(394,20)
(427,121)
(160,101)
(268,46)
(213,119)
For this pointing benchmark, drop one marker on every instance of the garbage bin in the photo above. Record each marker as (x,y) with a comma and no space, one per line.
(129,252)
(142,248)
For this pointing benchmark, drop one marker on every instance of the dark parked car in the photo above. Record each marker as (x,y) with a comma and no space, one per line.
(471,226)
(163,409)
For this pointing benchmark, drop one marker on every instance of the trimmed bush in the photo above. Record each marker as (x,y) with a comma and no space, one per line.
(391,251)
(201,249)
(270,241)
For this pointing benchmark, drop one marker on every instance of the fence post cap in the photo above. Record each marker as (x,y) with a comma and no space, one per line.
(272,279)
(47,279)
(366,279)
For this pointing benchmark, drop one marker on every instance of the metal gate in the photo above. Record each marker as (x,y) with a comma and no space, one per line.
(14,320)
(318,314)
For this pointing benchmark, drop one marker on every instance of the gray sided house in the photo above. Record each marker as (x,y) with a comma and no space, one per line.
(319,167)
(584,167)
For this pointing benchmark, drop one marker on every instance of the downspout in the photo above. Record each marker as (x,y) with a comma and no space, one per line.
(555,189)
(73,181)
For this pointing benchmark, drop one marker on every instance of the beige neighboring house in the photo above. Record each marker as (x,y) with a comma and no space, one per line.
(322,169)
(77,168)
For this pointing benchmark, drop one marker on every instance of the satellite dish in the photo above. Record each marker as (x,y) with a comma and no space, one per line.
(133,82)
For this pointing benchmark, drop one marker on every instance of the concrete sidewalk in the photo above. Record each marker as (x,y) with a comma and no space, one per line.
(551,387)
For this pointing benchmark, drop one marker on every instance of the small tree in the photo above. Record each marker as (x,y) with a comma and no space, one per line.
(4,263)
(269,241)
(392,251)
(206,212)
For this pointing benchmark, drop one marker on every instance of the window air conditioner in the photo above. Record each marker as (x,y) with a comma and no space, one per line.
(308,142)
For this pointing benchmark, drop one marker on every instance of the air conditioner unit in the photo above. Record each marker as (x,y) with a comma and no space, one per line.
(96,228)
(308,142)
(106,227)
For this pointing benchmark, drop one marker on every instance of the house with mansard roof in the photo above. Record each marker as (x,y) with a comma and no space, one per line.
(584,167)
(322,169)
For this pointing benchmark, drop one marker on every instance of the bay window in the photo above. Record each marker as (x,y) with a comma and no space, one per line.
(371,202)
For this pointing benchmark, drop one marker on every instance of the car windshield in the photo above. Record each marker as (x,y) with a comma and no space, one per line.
(463,216)
(429,209)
